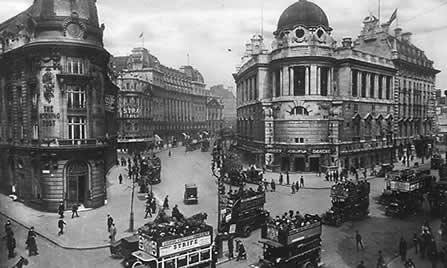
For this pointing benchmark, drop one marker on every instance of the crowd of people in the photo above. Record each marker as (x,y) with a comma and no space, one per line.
(293,220)
(349,188)
(11,242)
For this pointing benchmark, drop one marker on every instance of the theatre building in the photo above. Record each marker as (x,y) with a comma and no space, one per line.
(310,104)
(58,106)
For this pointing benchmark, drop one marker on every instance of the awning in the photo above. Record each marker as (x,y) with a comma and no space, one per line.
(356,116)
(157,138)
(367,116)
(379,117)
(388,116)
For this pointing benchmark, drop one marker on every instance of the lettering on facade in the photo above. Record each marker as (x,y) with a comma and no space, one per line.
(49,117)
(109,103)
(321,151)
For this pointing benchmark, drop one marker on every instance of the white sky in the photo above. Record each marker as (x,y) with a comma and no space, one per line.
(206,29)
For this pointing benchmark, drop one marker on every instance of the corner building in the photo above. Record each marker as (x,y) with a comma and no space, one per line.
(57,120)
(309,104)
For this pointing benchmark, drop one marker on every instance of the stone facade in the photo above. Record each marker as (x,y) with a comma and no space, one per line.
(229,102)
(214,118)
(157,101)
(310,105)
(57,124)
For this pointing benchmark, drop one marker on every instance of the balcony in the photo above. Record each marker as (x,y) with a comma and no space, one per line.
(61,144)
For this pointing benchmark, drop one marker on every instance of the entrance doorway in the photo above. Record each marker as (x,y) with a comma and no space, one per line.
(300,164)
(314,164)
(77,183)
(285,164)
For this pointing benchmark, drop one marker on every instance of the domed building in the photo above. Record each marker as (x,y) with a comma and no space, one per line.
(58,106)
(312,105)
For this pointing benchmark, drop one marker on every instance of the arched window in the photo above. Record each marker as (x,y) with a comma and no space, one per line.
(299,110)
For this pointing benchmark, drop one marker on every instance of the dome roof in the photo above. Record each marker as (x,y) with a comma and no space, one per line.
(303,13)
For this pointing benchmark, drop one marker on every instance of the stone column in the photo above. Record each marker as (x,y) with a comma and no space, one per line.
(359,83)
(281,83)
(330,87)
(286,88)
(318,82)
(307,80)
(292,80)
(273,84)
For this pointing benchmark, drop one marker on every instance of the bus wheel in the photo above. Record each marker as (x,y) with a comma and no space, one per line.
(138,264)
(308,265)
(247,231)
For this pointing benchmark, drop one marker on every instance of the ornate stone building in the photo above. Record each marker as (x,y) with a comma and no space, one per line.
(309,104)
(57,120)
(229,102)
(157,101)
(214,110)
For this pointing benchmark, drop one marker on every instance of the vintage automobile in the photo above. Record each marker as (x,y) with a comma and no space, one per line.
(190,196)
(384,168)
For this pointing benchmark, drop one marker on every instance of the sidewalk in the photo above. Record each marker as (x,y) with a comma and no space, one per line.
(89,231)
(314,182)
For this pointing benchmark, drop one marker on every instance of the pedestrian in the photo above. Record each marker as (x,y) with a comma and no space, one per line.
(280,178)
(170,153)
(148,210)
(319,172)
(11,245)
(120,178)
(109,222)
(330,175)
(8,228)
(266,184)
(326,176)
(361,265)
(364,173)
(293,188)
(409,263)
(230,247)
(302,181)
(153,205)
(241,253)
(61,210)
(30,234)
(287,177)
(32,246)
(297,187)
(403,249)
(272,185)
(380,260)
(74,210)
(61,224)
(166,203)
(112,233)
(358,240)
(415,243)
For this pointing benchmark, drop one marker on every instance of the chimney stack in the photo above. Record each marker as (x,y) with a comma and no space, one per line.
(407,37)
(347,42)
(397,33)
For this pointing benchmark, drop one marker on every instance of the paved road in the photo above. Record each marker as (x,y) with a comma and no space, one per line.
(51,256)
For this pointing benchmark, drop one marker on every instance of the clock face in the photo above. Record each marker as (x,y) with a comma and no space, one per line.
(74,30)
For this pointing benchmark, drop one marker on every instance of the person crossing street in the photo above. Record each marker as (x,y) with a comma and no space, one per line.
(358,240)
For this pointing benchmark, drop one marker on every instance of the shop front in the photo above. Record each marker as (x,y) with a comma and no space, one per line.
(299,159)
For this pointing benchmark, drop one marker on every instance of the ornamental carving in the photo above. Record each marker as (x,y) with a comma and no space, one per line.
(74,27)
(48,86)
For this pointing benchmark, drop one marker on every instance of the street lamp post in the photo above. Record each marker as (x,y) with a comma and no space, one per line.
(131,219)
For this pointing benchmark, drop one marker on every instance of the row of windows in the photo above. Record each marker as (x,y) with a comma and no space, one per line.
(371,85)
(247,90)
(300,80)
(75,66)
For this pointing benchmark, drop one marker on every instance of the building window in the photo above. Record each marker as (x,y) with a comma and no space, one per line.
(299,110)
(299,81)
(354,85)
(363,85)
(77,128)
(356,108)
(75,66)
(36,132)
(277,74)
(301,140)
(388,88)
(76,98)
(324,78)
(372,84)
(380,86)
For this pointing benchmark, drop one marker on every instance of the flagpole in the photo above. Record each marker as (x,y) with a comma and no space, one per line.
(379,12)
